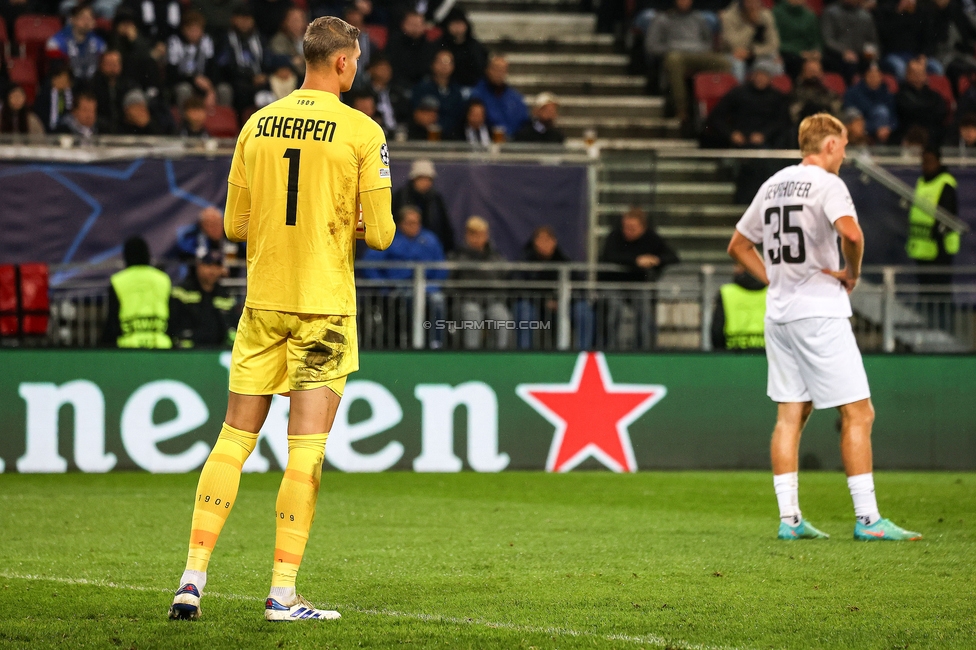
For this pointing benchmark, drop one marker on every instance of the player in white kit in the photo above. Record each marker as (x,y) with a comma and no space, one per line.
(813,358)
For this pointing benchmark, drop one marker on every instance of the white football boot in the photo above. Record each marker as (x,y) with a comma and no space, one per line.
(300,610)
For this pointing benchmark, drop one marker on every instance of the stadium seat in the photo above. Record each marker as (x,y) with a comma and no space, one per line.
(24,302)
(940,84)
(222,122)
(23,72)
(816,6)
(835,82)
(782,83)
(434,34)
(32,32)
(3,31)
(711,87)
(378,34)
(963,84)
(892,82)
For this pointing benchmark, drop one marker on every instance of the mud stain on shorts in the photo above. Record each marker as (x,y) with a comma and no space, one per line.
(325,356)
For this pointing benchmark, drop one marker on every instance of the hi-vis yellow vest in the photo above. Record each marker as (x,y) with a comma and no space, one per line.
(745,312)
(143,293)
(922,243)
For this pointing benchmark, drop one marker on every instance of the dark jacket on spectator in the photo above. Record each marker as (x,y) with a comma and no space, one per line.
(410,58)
(138,66)
(811,96)
(433,212)
(242,57)
(877,106)
(465,254)
(202,318)
(110,97)
(536,131)
(269,14)
(529,254)
(504,106)
(451,101)
(51,105)
(470,58)
(847,28)
(617,250)
(749,110)
(902,31)
(923,107)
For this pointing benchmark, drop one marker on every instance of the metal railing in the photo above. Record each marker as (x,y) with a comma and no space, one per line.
(534,306)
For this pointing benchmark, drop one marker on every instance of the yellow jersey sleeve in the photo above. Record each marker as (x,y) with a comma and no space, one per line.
(374,158)
(238,175)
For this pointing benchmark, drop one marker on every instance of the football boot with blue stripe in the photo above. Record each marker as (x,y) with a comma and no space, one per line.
(186,604)
(299,611)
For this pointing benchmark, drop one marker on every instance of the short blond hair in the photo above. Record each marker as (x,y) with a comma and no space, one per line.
(817,128)
(476,224)
(325,36)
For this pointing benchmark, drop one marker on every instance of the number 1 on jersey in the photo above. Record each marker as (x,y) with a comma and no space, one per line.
(294,157)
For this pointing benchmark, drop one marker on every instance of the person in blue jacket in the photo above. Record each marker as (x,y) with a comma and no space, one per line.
(412,243)
(504,106)
(876,103)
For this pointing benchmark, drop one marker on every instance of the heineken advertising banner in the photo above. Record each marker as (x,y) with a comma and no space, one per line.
(98,411)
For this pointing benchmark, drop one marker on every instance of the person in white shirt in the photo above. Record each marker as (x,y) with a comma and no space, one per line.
(813,357)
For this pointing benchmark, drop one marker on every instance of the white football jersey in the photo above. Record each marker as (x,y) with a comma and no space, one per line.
(793,216)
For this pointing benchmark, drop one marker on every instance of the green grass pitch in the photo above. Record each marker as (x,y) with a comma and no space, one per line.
(514,560)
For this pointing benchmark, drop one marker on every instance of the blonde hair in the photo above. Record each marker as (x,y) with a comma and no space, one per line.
(476,223)
(325,36)
(815,129)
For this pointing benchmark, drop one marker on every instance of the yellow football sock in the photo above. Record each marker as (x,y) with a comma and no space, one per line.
(216,492)
(296,505)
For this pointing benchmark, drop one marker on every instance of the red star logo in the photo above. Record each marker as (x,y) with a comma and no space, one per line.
(591,415)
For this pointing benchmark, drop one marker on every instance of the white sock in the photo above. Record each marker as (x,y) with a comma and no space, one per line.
(196,578)
(787,488)
(284,595)
(865,503)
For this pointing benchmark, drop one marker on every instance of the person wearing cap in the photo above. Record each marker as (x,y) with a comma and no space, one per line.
(857,133)
(504,106)
(438,84)
(204,314)
(420,192)
(480,303)
(137,120)
(78,43)
(139,302)
(243,58)
(425,125)
(542,127)
(872,98)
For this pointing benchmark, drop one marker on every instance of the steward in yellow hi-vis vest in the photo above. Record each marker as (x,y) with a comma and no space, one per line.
(138,303)
(931,243)
(738,322)
(304,170)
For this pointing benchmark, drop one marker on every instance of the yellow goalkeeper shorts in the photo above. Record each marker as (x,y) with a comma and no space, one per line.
(276,352)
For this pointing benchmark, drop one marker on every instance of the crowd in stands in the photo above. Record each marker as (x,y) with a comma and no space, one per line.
(896,71)
(198,68)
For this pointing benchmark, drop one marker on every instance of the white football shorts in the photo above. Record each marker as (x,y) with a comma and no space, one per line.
(815,360)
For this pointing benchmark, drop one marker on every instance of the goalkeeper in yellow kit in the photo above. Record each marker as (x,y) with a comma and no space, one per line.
(302,167)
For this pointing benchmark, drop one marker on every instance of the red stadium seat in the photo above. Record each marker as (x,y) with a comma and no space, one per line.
(711,87)
(816,6)
(23,72)
(3,31)
(32,32)
(963,84)
(941,85)
(835,82)
(434,34)
(222,122)
(782,83)
(24,302)
(892,82)
(378,34)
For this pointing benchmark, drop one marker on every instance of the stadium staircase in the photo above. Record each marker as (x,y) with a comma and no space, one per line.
(552,47)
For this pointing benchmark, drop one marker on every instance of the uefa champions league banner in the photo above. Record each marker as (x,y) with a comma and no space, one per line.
(99,411)
(61,213)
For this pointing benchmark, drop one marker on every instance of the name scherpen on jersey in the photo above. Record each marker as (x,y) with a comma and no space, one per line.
(788,189)
(294,128)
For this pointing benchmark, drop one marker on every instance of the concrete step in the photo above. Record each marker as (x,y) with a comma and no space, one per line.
(620,127)
(680,193)
(567,43)
(520,63)
(666,171)
(512,6)
(609,145)
(577,84)
(613,106)
(496,24)
(677,214)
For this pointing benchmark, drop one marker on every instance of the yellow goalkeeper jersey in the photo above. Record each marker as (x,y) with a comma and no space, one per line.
(304,160)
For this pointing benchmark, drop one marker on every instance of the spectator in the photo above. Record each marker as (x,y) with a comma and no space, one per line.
(139,67)
(204,310)
(420,192)
(448,94)
(192,64)
(391,104)
(15,117)
(470,56)
(754,115)
(109,88)
(217,14)
(242,60)
(367,48)
(198,240)
(54,98)
(799,34)
(289,41)
(504,106)
(904,33)
(78,44)
(409,51)
(474,130)
(157,20)
(136,117)
(281,83)
(849,37)
(953,25)
(139,302)
(365,102)
(426,124)
(876,103)
(740,312)
(412,243)
(269,15)
(542,127)
(967,132)
(194,123)
(638,247)
(543,247)
(476,304)
(857,132)
(931,244)
(810,95)
(749,36)
(683,41)
(82,121)
(918,105)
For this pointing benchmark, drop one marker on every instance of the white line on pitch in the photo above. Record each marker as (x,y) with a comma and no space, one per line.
(651,639)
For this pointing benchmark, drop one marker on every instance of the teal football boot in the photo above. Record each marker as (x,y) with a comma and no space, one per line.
(884,530)
(803,530)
